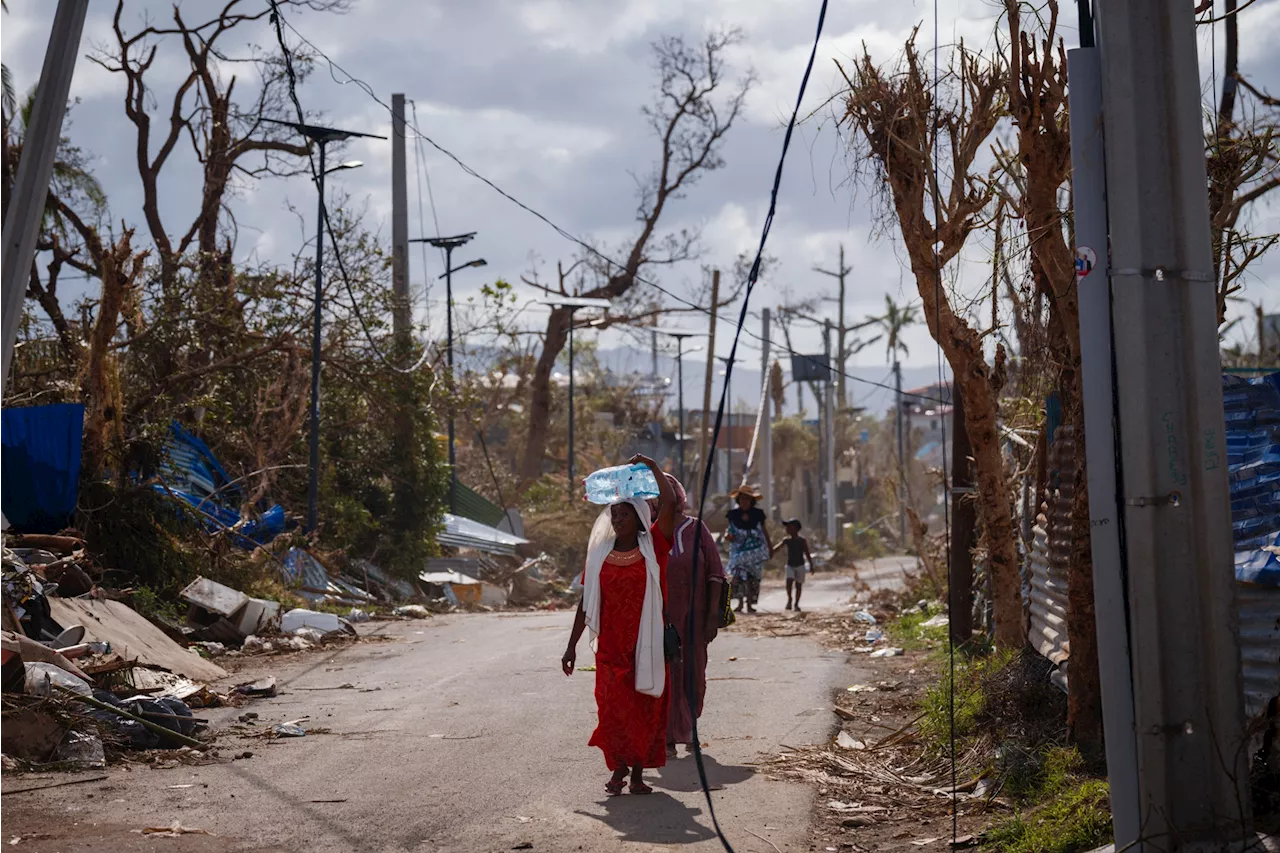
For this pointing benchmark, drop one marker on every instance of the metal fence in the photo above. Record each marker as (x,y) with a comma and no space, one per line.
(1253,415)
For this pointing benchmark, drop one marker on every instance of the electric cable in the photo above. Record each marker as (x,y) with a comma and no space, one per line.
(276,20)
(709,463)
(563,232)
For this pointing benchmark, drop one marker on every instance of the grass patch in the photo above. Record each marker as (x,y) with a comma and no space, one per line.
(1073,815)
(972,677)
(910,633)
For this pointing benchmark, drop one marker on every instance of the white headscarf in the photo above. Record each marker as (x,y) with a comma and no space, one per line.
(650,664)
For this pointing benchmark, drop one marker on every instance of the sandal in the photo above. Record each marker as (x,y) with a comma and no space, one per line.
(640,788)
(614,787)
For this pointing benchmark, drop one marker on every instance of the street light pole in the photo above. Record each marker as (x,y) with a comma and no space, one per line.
(449,244)
(572,304)
(321,136)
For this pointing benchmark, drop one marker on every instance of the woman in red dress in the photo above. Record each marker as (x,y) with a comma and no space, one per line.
(622,602)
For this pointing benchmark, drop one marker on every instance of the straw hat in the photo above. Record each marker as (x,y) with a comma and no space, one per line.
(748,490)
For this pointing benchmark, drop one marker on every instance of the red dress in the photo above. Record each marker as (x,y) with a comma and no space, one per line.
(632,728)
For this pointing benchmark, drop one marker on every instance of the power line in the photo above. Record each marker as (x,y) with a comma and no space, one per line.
(277,19)
(563,232)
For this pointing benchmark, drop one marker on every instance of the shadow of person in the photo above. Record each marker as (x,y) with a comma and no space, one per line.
(682,774)
(654,819)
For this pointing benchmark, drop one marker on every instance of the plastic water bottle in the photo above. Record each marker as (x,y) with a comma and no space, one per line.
(610,485)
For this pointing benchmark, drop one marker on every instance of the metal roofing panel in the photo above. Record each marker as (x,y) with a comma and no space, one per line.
(1259,614)
(465,533)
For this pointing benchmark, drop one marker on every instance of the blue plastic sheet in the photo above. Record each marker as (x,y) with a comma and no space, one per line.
(1251,410)
(40,465)
(192,473)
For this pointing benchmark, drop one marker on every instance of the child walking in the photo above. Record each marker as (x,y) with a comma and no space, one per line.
(797,552)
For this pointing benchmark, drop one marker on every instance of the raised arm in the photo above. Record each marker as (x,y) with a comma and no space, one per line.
(666,520)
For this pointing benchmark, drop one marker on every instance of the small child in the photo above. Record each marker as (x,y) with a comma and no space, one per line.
(797,552)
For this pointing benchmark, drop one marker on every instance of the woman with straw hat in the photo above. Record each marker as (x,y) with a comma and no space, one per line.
(749,546)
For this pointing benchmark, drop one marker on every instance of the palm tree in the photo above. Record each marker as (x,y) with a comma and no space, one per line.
(895,319)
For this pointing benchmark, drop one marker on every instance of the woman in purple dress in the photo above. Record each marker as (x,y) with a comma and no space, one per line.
(706,601)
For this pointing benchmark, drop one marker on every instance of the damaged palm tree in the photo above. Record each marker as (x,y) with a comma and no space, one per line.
(937,207)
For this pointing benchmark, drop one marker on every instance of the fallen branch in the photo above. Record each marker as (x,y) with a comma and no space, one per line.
(8,790)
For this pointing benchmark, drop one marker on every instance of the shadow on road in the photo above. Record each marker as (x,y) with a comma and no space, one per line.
(682,774)
(661,818)
(656,819)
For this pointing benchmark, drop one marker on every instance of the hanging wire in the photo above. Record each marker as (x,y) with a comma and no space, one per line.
(946,474)
(277,19)
(566,234)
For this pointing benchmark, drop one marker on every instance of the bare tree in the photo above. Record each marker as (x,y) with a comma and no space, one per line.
(936,210)
(691,114)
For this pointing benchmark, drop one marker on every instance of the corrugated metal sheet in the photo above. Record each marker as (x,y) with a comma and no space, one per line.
(1259,613)
(1051,554)
(473,505)
(464,533)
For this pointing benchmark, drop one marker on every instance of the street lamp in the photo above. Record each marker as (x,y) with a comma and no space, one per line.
(321,136)
(680,335)
(573,303)
(350,164)
(449,244)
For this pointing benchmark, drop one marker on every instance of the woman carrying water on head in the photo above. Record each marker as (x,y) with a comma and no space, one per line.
(705,599)
(622,603)
(749,546)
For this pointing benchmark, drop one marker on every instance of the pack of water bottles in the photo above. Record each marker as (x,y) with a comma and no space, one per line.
(1252,413)
(623,482)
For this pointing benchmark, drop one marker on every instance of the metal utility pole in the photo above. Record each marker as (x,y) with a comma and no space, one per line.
(449,244)
(842,351)
(321,136)
(39,150)
(728,436)
(399,228)
(1192,756)
(902,460)
(680,335)
(573,303)
(711,372)
(766,421)
(829,456)
(1089,195)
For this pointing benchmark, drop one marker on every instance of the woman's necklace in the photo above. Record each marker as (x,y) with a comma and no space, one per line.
(625,558)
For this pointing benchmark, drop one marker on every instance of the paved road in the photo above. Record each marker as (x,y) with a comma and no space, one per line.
(468,739)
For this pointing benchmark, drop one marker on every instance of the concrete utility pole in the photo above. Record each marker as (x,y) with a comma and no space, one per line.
(829,421)
(842,349)
(39,150)
(711,374)
(401,318)
(1089,194)
(766,422)
(1192,757)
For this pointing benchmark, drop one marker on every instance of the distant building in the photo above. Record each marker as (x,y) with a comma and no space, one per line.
(927,413)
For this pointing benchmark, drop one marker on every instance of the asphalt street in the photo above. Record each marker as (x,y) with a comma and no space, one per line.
(459,733)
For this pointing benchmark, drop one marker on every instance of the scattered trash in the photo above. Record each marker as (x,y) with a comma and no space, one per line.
(328,623)
(262,688)
(844,740)
(248,717)
(939,621)
(860,688)
(925,842)
(173,830)
(357,615)
(291,729)
(886,653)
(732,659)
(81,750)
(983,788)
(43,678)
(964,841)
(857,821)
(526,845)
(213,649)
(413,611)
(875,635)
(586,669)
(864,616)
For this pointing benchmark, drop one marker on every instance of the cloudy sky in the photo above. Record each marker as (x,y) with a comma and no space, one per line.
(544,97)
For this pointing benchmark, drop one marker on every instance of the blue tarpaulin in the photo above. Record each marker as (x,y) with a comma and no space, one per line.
(193,473)
(40,476)
(1252,413)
